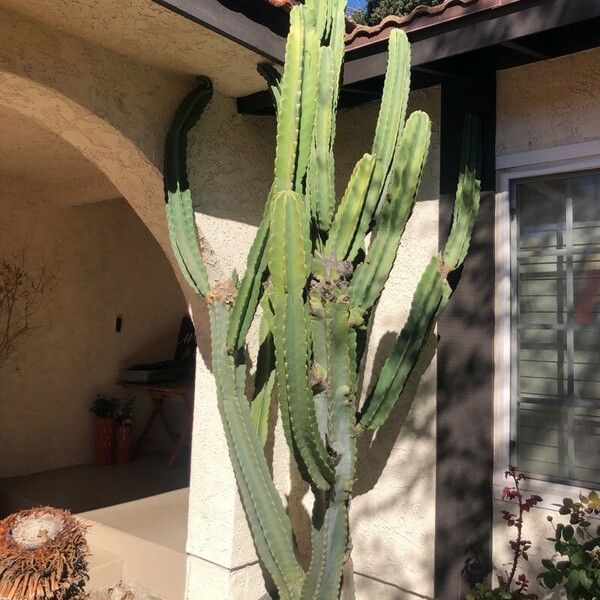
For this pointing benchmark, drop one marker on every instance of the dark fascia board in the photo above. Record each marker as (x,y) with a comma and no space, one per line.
(258,28)
(473,32)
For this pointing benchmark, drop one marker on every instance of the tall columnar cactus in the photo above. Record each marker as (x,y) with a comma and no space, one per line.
(316,279)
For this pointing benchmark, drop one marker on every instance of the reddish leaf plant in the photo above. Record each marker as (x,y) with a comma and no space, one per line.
(510,586)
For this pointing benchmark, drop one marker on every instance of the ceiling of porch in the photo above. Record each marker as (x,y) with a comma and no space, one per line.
(35,163)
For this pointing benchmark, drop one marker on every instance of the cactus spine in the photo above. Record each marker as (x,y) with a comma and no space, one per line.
(316,281)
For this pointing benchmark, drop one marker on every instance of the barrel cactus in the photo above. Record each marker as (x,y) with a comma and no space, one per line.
(43,556)
(313,277)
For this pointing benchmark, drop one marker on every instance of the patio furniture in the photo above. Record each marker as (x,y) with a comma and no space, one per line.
(179,392)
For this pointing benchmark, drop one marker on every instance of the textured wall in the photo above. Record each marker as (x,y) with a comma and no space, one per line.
(112,109)
(106,264)
(548,104)
(544,105)
(231,169)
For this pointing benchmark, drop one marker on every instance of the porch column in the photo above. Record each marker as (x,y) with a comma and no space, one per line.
(464,470)
(222,563)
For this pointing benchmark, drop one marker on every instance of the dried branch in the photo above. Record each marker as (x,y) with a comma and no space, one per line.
(21,293)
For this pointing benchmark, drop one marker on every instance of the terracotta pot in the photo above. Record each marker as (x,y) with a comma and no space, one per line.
(104,447)
(123,444)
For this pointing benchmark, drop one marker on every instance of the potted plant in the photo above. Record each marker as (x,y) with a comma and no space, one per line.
(123,436)
(104,429)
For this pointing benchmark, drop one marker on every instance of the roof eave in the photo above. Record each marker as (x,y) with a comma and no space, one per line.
(484,24)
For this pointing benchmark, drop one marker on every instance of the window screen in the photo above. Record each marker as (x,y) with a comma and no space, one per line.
(556,328)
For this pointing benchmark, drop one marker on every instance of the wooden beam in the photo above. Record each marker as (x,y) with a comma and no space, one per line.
(522,49)
(474,32)
(260,30)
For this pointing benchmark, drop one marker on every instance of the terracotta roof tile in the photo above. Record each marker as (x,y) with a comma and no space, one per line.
(420,17)
(281,3)
(354,30)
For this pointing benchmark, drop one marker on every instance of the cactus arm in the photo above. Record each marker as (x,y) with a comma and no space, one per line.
(268,521)
(394,98)
(308,107)
(320,177)
(386,144)
(288,265)
(336,43)
(427,302)
(349,213)
(288,114)
(433,291)
(251,286)
(273,78)
(179,208)
(265,374)
(468,194)
(386,151)
(371,276)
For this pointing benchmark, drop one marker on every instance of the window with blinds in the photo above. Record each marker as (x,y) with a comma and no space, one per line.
(555,275)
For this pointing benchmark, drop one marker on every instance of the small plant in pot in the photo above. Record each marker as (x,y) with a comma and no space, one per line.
(104,408)
(123,436)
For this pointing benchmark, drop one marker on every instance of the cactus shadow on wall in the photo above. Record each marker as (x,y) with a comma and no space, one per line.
(375,448)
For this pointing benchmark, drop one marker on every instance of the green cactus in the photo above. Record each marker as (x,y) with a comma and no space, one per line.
(315,280)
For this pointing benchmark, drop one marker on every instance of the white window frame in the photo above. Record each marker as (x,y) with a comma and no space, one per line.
(511,168)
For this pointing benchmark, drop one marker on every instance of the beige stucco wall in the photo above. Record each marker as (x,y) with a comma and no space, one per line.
(105,264)
(393,513)
(540,106)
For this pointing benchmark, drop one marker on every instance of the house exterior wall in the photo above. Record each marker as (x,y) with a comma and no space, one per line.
(105,263)
(541,106)
(393,516)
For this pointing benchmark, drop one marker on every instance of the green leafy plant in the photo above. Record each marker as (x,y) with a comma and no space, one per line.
(376,10)
(510,586)
(104,406)
(124,412)
(316,281)
(578,542)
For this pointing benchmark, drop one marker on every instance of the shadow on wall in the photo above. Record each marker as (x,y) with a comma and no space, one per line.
(465,417)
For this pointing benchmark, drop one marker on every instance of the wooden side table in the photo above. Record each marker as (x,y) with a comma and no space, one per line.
(180,392)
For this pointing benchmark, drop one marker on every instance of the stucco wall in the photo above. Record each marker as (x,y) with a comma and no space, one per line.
(544,105)
(393,513)
(106,264)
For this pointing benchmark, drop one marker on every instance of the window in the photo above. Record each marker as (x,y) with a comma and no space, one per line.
(555,327)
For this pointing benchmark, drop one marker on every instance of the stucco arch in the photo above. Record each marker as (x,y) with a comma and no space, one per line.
(137,179)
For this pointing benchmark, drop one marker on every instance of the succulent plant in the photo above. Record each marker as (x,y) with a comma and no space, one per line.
(43,555)
(314,278)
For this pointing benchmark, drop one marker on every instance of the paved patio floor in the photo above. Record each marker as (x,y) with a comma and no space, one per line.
(83,488)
